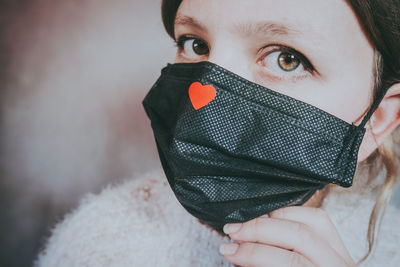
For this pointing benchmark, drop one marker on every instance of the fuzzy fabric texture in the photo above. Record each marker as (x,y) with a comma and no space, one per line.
(140,223)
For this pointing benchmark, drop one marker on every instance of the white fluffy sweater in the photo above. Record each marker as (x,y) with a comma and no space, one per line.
(141,223)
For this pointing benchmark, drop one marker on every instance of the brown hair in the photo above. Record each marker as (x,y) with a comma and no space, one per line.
(381,23)
(380,20)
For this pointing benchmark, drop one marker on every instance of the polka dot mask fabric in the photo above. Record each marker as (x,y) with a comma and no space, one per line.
(233,150)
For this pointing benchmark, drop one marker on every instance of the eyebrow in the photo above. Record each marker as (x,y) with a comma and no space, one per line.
(264,27)
(245,29)
(189,21)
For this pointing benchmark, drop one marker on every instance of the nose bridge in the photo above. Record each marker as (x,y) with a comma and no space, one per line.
(231,57)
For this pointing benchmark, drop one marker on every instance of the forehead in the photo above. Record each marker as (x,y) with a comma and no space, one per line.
(307,15)
(313,18)
(313,26)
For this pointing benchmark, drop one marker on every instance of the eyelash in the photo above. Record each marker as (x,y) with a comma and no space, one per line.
(180,42)
(286,49)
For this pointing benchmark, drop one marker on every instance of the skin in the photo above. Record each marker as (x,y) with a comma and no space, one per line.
(328,35)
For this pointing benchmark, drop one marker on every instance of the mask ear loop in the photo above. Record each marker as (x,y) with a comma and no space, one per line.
(374,106)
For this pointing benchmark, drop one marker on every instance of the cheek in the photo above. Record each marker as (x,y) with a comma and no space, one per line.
(347,100)
(350,82)
(351,89)
(343,90)
(345,97)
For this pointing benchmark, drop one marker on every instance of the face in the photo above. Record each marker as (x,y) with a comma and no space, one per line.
(312,50)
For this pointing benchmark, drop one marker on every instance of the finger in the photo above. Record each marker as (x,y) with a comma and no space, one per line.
(257,255)
(318,220)
(289,235)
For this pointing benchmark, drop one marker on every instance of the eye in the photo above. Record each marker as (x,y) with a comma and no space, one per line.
(191,47)
(281,62)
(288,62)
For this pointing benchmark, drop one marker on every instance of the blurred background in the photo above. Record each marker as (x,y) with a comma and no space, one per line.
(73,75)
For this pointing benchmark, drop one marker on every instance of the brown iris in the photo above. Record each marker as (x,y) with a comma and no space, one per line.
(200,47)
(288,62)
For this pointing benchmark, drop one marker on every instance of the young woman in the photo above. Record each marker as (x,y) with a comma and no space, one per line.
(341,57)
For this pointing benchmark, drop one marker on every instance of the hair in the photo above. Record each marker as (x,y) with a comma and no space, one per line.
(381,24)
(380,21)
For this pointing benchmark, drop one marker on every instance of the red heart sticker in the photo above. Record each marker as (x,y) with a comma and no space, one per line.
(200,95)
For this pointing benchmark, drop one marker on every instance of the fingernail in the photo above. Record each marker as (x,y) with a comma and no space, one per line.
(231,227)
(228,248)
(265,216)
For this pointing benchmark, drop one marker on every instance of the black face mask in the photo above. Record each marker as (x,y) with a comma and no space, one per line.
(233,150)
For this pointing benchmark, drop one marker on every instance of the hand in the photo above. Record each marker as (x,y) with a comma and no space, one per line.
(292,236)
